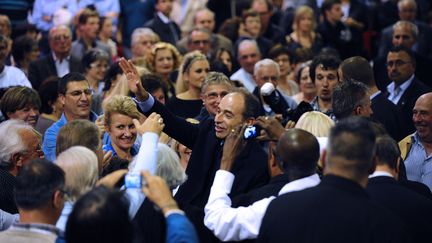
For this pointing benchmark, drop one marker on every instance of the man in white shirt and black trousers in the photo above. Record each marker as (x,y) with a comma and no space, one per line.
(296,154)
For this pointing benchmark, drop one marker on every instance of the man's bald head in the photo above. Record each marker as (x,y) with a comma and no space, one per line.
(298,152)
(422,117)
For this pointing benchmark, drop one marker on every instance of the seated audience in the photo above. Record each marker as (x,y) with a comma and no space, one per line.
(285,59)
(162,24)
(142,43)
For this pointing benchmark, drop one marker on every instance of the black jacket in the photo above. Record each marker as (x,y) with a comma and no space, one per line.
(164,30)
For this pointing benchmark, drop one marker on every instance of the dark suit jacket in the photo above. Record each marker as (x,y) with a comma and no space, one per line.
(337,210)
(407,102)
(413,209)
(417,187)
(44,67)
(388,114)
(7,185)
(164,30)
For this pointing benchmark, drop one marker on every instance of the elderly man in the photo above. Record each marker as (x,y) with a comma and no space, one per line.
(206,140)
(199,39)
(268,71)
(88,27)
(417,148)
(295,157)
(340,199)
(205,18)
(142,41)
(324,73)
(248,55)
(59,62)
(76,96)
(19,144)
(407,12)
(39,194)
(405,34)
(405,87)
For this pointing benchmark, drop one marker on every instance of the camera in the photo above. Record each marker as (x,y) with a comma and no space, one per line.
(251,132)
(133,180)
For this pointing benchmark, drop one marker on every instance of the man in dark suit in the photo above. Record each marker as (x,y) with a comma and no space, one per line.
(206,140)
(338,209)
(405,34)
(405,87)
(59,62)
(412,208)
(384,111)
(162,25)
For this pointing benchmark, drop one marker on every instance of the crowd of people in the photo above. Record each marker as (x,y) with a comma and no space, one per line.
(215,120)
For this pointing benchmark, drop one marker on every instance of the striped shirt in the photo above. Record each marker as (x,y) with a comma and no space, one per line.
(418,163)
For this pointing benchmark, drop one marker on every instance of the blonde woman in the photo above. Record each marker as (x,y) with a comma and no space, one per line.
(163,60)
(304,38)
(192,73)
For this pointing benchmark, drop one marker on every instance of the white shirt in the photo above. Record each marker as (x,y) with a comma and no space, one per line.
(62,66)
(245,78)
(12,76)
(380,173)
(394,96)
(234,224)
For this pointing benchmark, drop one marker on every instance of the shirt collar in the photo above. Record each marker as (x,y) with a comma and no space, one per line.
(57,59)
(37,227)
(403,86)
(380,173)
(300,184)
(164,18)
(375,94)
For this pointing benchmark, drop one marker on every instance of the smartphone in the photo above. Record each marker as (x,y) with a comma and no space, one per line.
(251,132)
(133,180)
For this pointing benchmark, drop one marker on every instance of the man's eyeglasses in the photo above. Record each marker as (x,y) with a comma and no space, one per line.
(214,95)
(61,37)
(197,42)
(396,63)
(78,93)
(270,78)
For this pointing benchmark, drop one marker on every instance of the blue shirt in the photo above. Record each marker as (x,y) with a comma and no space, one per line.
(180,229)
(394,96)
(418,163)
(43,8)
(50,137)
(108,147)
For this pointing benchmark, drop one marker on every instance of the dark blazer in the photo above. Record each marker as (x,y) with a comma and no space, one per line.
(413,209)
(44,67)
(164,30)
(388,114)
(250,169)
(417,187)
(7,185)
(337,210)
(407,102)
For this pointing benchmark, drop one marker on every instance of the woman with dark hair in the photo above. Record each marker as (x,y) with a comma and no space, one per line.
(153,84)
(285,58)
(51,107)
(223,55)
(111,79)
(21,103)
(24,51)
(308,90)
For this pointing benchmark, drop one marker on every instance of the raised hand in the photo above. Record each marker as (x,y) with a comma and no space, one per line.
(133,78)
(233,146)
(272,129)
(153,123)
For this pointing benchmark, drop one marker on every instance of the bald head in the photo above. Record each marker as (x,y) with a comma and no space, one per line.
(205,18)
(422,117)
(298,152)
(357,68)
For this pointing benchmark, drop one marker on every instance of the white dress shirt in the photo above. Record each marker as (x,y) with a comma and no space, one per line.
(12,76)
(234,224)
(62,66)
(245,78)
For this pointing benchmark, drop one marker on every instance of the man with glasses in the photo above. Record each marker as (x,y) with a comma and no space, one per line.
(405,87)
(76,96)
(199,39)
(19,144)
(268,71)
(59,62)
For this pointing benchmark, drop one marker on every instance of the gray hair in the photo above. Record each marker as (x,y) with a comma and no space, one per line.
(80,165)
(138,32)
(266,63)
(216,78)
(407,24)
(169,167)
(247,42)
(402,2)
(11,141)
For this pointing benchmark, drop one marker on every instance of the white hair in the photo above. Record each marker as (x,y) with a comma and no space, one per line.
(80,165)
(266,63)
(169,167)
(11,141)
(412,27)
(138,32)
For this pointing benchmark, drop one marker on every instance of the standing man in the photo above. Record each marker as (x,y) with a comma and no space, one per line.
(162,25)
(59,62)
(416,149)
(268,30)
(76,96)
(248,55)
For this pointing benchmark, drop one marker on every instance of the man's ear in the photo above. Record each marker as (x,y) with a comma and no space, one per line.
(58,199)
(62,99)
(16,159)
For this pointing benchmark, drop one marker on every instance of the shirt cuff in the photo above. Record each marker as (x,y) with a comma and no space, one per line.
(174,211)
(145,106)
(224,180)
